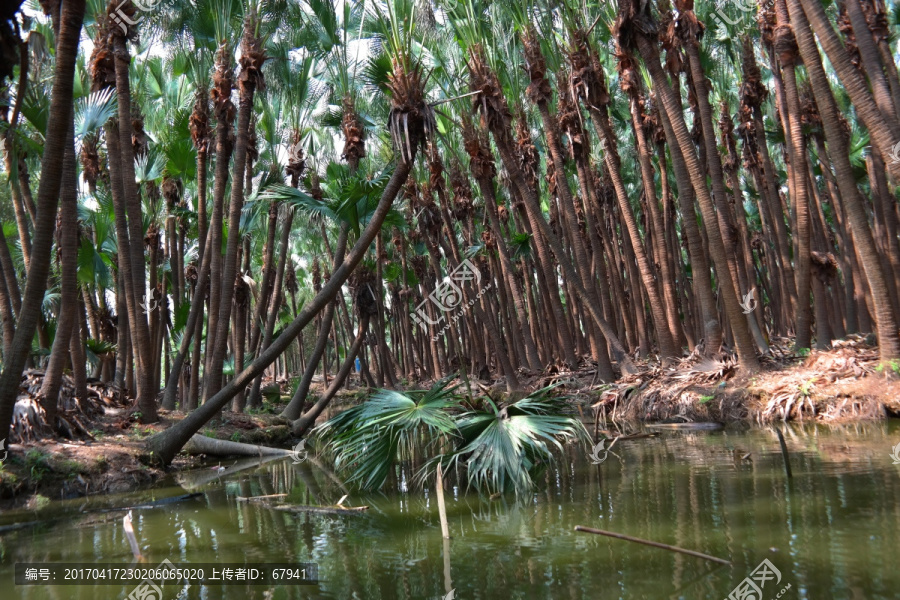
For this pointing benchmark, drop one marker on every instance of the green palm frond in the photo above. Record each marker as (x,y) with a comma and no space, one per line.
(93,111)
(367,440)
(504,448)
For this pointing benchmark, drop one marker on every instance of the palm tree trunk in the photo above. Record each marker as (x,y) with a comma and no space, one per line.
(302,425)
(68,296)
(785,45)
(277,293)
(60,113)
(248,84)
(140,332)
(743,340)
(295,406)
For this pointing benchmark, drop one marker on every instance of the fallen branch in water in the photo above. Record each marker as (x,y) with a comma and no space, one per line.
(256,498)
(200,444)
(628,538)
(337,510)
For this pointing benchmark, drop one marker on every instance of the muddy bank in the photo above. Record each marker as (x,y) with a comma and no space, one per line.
(111,457)
(842,384)
(845,383)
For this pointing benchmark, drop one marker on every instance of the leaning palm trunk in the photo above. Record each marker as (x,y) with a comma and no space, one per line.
(308,419)
(854,204)
(277,295)
(268,272)
(166,445)
(60,113)
(194,321)
(871,61)
(295,406)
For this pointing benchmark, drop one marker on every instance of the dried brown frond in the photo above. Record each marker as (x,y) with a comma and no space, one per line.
(354,133)
(317,275)
(172,189)
(296,163)
(90,160)
(199,122)
(362,287)
(121,18)
(102,67)
(253,56)
(490,102)
(538,90)
(411,119)
(223,80)
(138,135)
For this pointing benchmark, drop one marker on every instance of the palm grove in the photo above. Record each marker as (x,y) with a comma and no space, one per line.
(201,193)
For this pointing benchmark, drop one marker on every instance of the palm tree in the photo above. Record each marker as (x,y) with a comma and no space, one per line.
(500,449)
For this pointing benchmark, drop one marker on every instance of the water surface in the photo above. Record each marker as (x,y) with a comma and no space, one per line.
(831,531)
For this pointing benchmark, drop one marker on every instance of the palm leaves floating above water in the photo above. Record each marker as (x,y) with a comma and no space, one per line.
(500,448)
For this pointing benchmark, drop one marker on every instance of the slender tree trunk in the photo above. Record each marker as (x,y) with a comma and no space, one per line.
(68,296)
(884,132)
(140,332)
(743,340)
(854,204)
(48,195)
(168,443)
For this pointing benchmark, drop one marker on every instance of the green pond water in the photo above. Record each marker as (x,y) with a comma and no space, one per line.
(832,531)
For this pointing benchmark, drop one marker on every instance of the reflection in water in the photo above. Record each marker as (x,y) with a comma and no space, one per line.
(831,531)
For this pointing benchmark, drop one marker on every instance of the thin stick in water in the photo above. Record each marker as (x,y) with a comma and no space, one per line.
(628,538)
(784,453)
